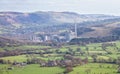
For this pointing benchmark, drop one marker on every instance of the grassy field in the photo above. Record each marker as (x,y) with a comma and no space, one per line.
(95,68)
(24,47)
(33,69)
(20,58)
(94,48)
(92,68)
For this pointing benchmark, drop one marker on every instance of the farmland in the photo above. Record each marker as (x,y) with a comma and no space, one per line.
(36,69)
(33,69)
(101,59)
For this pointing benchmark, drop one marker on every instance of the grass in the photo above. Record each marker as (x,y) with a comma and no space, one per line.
(34,69)
(19,58)
(92,52)
(114,56)
(1,49)
(35,46)
(95,69)
(24,47)
(23,58)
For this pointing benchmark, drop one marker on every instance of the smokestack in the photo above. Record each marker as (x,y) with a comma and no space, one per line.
(75,30)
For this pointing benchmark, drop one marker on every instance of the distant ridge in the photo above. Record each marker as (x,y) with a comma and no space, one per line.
(92,24)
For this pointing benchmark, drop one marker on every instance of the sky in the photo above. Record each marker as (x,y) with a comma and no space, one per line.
(110,7)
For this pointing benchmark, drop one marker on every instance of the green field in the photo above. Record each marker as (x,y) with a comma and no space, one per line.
(20,58)
(90,68)
(24,47)
(94,68)
(33,69)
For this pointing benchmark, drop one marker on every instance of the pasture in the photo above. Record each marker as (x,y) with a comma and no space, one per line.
(91,68)
(95,68)
(53,53)
(32,69)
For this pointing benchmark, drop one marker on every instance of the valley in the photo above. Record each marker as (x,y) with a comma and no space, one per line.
(95,58)
(59,43)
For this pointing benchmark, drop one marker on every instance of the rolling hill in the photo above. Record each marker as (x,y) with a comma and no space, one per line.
(88,25)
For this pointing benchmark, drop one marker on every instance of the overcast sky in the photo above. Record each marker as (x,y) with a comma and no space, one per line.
(80,6)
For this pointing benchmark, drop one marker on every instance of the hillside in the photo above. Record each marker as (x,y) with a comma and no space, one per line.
(88,25)
(17,19)
(9,42)
(103,28)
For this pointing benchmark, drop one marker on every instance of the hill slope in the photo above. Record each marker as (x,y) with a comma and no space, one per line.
(89,25)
